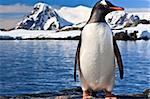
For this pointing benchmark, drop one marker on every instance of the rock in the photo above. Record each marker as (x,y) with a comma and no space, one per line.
(127,36)
(74,93)
(144,21)
(121,36)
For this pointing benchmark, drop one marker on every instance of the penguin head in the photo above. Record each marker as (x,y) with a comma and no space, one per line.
(101,9)
(107,6)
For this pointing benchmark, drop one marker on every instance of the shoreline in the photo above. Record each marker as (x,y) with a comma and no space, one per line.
(75,93)
(69,38)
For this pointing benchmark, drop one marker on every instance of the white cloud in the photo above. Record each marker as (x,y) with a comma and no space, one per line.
(17,8)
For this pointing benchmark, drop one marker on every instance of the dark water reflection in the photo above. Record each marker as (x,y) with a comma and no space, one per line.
(47,66)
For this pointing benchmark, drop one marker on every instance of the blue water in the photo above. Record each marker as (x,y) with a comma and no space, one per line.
(47,66)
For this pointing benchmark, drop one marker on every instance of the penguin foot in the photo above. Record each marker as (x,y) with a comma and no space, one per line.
(94,94)
(86,95)
(109,95)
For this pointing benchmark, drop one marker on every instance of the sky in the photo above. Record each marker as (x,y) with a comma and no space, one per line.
(89,3)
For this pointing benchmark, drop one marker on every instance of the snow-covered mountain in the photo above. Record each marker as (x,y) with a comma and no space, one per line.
(122,19)
(43,17)
(116,19)
(75,15)
(67,20)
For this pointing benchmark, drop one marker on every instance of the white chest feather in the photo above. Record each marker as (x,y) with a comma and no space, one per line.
(97,35)
(96,54)
(97,40)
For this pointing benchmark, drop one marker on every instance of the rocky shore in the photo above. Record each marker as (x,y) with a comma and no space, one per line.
(75,93)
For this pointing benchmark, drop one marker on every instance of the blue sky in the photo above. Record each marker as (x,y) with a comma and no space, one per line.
(90,3)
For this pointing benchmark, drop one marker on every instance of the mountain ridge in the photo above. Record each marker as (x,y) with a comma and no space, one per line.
(42,17)
(45,17)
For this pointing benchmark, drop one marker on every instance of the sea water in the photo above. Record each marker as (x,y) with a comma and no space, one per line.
(40,66)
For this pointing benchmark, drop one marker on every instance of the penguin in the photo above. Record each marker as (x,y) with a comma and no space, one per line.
(96,52)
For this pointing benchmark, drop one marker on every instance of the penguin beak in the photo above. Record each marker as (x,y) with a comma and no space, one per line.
(115,8)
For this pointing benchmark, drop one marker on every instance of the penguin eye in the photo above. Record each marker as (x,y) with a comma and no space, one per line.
(105,6)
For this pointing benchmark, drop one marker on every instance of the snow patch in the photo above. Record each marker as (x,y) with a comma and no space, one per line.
(75,14)
(143,30)
(27,34)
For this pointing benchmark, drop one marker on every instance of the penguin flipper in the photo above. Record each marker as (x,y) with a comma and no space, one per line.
(119,59)
(77,59)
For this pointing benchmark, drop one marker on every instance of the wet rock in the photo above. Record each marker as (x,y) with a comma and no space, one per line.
(75,93)
(126,36)
(121,36)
